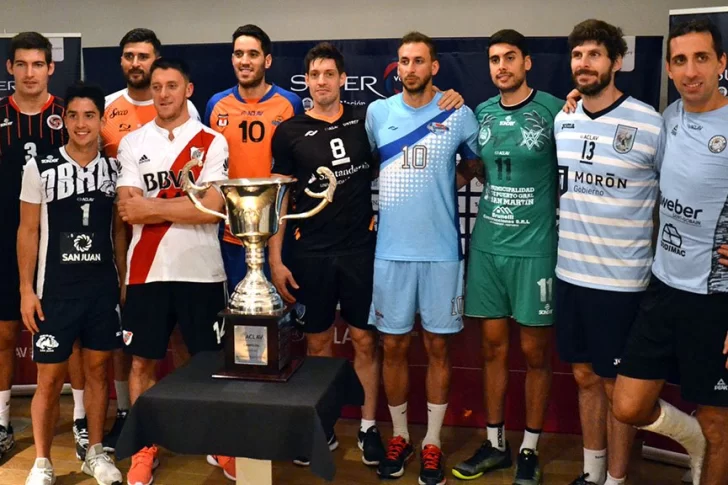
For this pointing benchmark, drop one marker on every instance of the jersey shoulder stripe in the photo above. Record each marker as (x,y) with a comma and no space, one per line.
(394,148)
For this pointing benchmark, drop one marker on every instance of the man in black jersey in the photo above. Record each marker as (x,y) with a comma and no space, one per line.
(67,217)
(332,254)
(30,123)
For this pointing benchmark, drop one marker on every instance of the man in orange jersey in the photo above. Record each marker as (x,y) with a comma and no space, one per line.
(247,115)
(126,111)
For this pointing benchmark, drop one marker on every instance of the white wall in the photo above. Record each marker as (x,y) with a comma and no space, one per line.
(104,22)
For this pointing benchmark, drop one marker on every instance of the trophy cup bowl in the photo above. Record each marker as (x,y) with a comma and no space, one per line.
(258,345)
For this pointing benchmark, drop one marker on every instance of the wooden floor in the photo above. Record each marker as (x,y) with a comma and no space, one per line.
(560,458)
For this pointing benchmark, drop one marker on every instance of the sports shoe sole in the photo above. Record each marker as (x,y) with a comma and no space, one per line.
(213,462)
(332,447)
(461,476)
(399,472)
(363,458)
(155,464)
(443,482)
(85,469)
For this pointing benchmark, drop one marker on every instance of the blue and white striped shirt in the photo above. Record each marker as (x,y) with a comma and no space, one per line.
(608,163)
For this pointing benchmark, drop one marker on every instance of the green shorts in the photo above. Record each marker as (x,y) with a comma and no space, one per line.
(510,286)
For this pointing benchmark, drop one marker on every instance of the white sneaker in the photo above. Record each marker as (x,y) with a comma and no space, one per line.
(100,466)
(41,473)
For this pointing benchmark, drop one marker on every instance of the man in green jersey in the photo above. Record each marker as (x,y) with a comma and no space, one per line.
(513,251)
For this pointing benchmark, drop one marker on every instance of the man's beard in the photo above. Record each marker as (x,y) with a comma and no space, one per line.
(253,83)
(142,83)
(516,85)
(593,89)
(418,88)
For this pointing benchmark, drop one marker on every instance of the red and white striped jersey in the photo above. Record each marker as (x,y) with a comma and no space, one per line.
(151,162)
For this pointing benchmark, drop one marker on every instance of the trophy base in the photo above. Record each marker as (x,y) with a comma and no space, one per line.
(285,374)
(258,347)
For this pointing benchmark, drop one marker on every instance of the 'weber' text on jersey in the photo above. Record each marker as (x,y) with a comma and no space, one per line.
(300,146)
(75,251)
(693,201)
(418,219)
(517,213)
(608,164)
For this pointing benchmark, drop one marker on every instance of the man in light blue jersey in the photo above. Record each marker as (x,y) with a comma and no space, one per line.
(685,314)
(418,262)
(607,151)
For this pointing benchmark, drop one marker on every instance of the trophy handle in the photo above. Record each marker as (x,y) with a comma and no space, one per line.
(327,196)
(192,189)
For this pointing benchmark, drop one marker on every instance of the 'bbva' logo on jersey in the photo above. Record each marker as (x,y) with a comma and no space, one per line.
(163,180)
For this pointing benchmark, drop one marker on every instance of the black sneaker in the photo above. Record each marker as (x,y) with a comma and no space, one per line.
(398,453)
(527,470)
(80,436)
(485,459)
(305,461)
(370,443)
(431,470)
(112,436)
(582,480)
(7,439)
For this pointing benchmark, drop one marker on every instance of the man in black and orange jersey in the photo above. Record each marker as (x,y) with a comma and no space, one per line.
(128,110)
(247,115)
(31,122)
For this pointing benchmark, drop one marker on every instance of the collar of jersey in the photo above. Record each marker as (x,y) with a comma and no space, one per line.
(606,110)
(273,90)
(435,100)
(176,131)
(148,102)
(70,159)
(520,105)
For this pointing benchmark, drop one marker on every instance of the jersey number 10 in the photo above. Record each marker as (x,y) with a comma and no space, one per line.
(415,156)
(253,131)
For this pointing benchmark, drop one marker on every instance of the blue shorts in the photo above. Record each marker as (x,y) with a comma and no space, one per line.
(403,288)
(233,258)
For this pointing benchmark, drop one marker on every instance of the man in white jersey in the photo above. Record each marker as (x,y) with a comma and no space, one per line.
(175,273)
(607,151)
(128,110)
(685,314)
(418,262)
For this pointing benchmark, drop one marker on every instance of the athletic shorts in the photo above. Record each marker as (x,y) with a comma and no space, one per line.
(325,281)
(96,322)
(688,327)
(592,326)
(432,289)
(510,286)
(153,309)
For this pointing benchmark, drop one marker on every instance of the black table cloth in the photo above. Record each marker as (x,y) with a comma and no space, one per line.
(189,412)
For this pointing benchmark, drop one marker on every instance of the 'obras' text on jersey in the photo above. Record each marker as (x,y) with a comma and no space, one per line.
(608,172)
(124,115)
(300,146)
(517,213)
(151,162)
(693,201)
(418,218)
(75,251)
(248,126)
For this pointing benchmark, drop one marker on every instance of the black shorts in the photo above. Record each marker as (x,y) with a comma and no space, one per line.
(9,289)
(690,327)
(592,326)
(95,321)
(153,309)
(325,281)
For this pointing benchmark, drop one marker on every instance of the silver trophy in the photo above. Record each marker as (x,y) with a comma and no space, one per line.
(253,214)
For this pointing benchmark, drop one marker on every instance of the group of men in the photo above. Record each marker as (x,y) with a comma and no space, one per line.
(112,255)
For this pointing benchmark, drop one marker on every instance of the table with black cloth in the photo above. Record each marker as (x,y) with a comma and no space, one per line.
(190,412)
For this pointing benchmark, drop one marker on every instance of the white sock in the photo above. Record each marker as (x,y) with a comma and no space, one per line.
(435,417)
(399,421)
(595,464)
(123,403)
(5,408)
(530,439)
(79,411)
(615,481)
(366,424)
(497,436)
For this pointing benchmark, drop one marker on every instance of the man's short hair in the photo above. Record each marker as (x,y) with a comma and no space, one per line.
(698,26)
(599,31)
(31,40)
(416,38)
(171,63)
(141,35)
(82,90)
(324,50)
(510,37)
(255,32)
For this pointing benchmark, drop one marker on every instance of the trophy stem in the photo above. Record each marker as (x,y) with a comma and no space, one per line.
(255,295)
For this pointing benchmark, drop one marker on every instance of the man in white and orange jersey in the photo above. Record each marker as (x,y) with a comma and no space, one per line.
(247,115)
(126,111)
(175,272)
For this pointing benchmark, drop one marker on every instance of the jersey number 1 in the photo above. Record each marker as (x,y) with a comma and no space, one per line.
(85,213)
